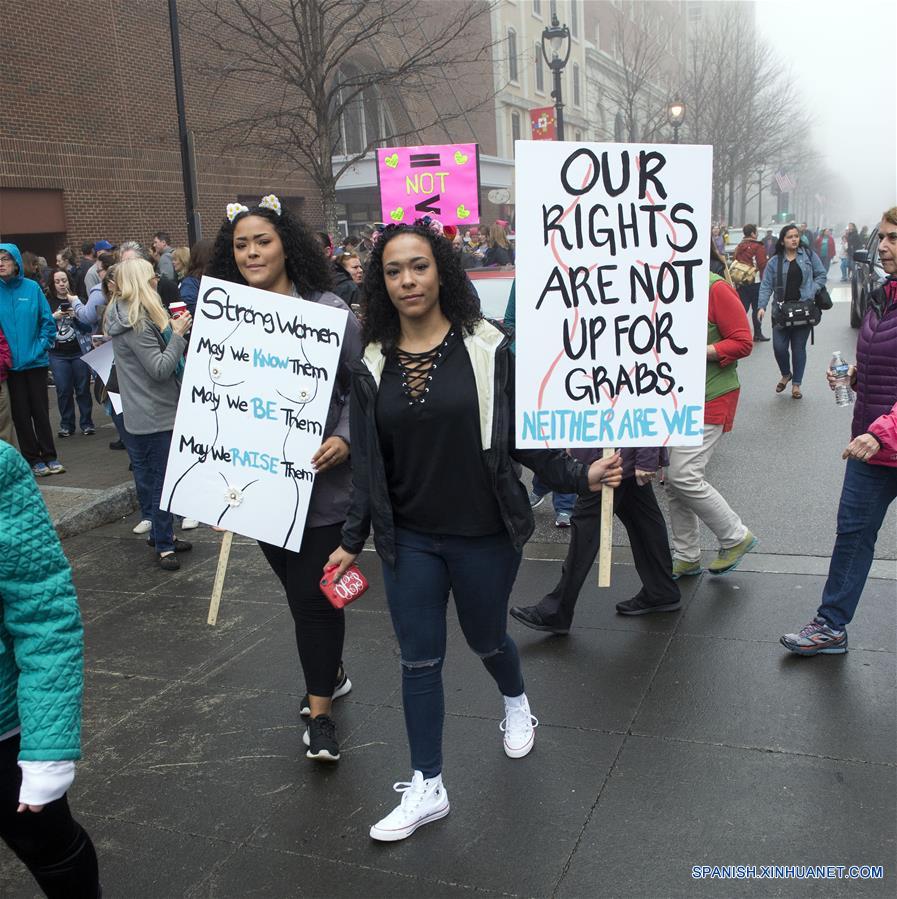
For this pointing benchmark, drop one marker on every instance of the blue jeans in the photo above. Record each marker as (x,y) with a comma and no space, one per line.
(144,494)
(867,492)
(149,456)
(563,502)
(480,572)
(72,376)
(845,268)
(790,348)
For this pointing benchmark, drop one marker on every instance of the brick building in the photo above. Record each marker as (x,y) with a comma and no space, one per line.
(89,141)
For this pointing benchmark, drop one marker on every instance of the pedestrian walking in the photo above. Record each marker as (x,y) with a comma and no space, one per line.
(41,682)
(432,414)
(794,274)
(692,498)
(825,248)
(30,329)
(636,506)
(5,411)
(149,357)
(269,248)
(748,265)
(71,376)
(854,243)
(870,477)
(845,258)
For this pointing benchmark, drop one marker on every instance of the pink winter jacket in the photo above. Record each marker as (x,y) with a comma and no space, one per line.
(884,430)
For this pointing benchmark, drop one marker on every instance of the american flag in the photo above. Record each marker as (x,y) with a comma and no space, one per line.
(786,185)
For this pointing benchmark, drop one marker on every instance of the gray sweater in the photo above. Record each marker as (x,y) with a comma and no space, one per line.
(146,372)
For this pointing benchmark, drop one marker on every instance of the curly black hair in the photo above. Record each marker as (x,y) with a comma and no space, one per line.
(306,265)
(458,302)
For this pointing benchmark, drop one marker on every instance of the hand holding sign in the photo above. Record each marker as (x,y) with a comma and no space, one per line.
(606,472)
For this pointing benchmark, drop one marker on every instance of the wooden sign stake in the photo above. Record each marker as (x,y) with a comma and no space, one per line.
(220,574)
(605,551)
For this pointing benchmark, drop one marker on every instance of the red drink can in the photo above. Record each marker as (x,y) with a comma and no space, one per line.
(349,587)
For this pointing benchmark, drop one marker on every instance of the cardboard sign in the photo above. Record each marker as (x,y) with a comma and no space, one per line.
(442,181)
(543,123)
(612,286)
(101,359)
(253,406)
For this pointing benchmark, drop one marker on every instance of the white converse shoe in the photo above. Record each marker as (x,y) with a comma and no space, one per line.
(518,727)
(142,527)
(423,801)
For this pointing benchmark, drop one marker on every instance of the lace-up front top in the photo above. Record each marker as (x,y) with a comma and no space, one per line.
(429,429)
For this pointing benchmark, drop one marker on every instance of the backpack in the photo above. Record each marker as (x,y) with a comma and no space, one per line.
(742,273)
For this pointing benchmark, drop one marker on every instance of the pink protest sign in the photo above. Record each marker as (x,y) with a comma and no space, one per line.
(441,181)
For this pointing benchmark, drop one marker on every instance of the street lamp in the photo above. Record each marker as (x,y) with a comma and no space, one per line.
(556,37)
(675,116)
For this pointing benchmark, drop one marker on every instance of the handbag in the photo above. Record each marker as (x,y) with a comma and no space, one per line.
(822,299)
(347,589)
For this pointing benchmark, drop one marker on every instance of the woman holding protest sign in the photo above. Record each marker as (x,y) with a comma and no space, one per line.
(794,276)
(432,403)
(268,248)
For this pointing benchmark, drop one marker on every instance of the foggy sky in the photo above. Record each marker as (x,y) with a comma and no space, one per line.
(843,58)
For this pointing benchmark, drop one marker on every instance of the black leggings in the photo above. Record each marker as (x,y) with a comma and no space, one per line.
(51,843)
(320,628)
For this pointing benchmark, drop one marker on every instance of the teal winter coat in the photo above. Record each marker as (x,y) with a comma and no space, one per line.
(25,318)
(41,639)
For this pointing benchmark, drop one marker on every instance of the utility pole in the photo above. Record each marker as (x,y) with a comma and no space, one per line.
(188,160)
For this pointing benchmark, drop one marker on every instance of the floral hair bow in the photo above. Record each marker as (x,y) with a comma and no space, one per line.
(430,224)
(269,201)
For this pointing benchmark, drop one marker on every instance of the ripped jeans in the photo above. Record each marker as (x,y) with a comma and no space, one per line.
(480,572)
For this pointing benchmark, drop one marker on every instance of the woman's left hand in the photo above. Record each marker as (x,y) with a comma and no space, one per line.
(606,472)
(644,477)
(861,448)
(29,808)
(332,452)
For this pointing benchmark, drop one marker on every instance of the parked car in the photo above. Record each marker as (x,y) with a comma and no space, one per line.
(867,275)
(494,287)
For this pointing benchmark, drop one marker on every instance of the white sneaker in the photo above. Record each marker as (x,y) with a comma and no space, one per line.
(518,727)
(142,527)
(188,524)
(423,801)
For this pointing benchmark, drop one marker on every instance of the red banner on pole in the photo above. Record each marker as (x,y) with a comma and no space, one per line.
(543,124)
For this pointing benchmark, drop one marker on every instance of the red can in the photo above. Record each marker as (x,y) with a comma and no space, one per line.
(349,587)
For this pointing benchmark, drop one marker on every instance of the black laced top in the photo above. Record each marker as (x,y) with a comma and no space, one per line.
(428,422)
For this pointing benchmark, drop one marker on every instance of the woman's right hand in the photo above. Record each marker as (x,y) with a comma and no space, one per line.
(340,559)
(832,380)
(181,324)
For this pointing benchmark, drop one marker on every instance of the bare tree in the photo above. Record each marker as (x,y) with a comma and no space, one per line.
(340,77)
(637,91)
(743,101)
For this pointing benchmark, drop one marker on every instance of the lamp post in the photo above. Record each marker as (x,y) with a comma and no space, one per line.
(556,38)
(675,116)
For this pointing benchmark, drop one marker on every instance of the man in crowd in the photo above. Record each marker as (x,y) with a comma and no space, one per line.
(746,270)
(162,252)
(92,276)
(88,258)
(167,287)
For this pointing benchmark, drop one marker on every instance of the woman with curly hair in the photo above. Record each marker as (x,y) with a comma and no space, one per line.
(268,248)
(432,403)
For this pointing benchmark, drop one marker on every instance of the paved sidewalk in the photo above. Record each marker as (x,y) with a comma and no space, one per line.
(665,742)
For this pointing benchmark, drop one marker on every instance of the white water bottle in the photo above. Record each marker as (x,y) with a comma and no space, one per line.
(840,369)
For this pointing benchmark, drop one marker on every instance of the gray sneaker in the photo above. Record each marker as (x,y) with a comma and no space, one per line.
(817,636)
(535,499)
(562,520)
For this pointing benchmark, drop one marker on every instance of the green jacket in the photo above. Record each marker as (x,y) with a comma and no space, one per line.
(41,639)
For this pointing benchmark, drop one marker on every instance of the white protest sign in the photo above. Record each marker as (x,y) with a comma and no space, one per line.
(612,287)
(253,407)
(101,359)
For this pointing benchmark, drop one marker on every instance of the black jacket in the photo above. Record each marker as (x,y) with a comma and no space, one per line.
(343,286)
(371,503)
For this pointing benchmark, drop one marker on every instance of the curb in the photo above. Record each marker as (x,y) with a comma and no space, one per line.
(106,506)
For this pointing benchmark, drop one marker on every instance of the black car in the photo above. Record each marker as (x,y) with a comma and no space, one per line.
(867,275)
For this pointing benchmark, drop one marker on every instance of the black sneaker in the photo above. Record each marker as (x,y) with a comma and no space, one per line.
(180,546)
(343,686)
(638,605)
(320,738)
(116,445)
(533,618)
(168,562)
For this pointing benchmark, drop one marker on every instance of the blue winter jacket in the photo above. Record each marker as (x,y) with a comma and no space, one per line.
(814,275)
(25,318)
(41,640)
